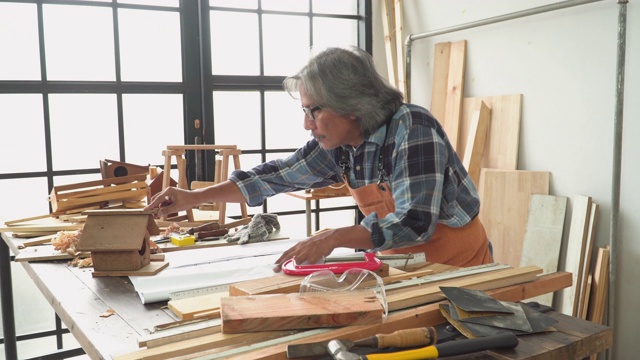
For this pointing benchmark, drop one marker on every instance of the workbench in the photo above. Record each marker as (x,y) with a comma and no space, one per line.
(79,299)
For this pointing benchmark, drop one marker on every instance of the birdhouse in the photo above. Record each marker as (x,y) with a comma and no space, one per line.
(118,239)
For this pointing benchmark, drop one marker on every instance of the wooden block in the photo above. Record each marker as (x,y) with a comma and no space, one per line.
(503,139)
(197,306)
(299,311)
(574,255)
(543,236)
(504,207)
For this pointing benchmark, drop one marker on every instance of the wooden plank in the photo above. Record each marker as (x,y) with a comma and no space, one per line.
(476,140)
(424,294)
(390,46)
(42,227)
(504,207)
(399,27)
(287,284)
(586,263)
(441,55)
(503,139)
(299,311)
(574,255)
(45,253)
(448,87)
(600,286)
(147,270)
(543,236)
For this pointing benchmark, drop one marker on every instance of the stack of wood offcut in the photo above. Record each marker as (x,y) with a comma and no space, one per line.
(523,221)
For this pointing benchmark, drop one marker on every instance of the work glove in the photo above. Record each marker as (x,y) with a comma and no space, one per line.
(257,230)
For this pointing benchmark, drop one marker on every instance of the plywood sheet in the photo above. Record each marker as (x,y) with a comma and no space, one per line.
(543,236)
(503,139)
(504,208)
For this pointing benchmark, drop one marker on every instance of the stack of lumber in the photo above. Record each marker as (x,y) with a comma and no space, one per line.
(411,305)
(523,222)
(80,196)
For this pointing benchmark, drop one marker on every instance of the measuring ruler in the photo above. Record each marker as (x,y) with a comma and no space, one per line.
(399,261)
(198,292)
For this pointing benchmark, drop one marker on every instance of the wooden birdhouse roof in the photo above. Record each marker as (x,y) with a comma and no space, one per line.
(116,230)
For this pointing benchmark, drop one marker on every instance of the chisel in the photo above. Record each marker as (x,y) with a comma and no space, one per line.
(401,339)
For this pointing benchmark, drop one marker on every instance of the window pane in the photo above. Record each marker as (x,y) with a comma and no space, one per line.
(84,130)
(171,3)
(151,122)
(344,7)
(285,121)
(286,5)
(334,32)
(23,198)
(286,43)
(239,4)
(79,42)
(236,54)
(20,58)
(22,126)
(150,47)
(237,119)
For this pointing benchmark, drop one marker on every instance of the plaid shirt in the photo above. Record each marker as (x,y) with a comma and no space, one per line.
(428,181)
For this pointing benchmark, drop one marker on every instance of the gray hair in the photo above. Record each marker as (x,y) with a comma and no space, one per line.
(345,80)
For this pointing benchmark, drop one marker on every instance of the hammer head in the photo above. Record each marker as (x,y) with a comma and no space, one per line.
(340,352)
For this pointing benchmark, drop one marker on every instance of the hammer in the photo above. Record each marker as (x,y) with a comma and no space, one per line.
(505,340)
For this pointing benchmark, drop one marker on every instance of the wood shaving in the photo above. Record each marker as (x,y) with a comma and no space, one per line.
(107,313)
(174,227)
(66,240)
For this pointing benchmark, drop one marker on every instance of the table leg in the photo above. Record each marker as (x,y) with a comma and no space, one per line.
(6,288)
(307,211)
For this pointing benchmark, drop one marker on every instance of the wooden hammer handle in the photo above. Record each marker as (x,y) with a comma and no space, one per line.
(424,336)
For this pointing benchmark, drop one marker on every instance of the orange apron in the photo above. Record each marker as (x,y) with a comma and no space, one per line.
(464,246)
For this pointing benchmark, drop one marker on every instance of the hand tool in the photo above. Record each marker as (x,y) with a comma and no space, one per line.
(401,339)
(452,348)
(371,263)
(214,225)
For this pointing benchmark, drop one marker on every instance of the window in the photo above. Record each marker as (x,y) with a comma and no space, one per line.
(83,81)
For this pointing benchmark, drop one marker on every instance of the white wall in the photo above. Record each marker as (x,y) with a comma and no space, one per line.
(564,64)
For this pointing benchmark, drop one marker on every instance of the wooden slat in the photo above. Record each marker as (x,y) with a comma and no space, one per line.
(389,31)
(448,87)
(543,236)
(586,263)
(476,140)
(441,55)
(420,295)
(600,286)
(399,28)
(575,252)
(503,139)
(504,207)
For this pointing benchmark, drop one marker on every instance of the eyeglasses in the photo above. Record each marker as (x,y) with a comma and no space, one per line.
(309,112)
